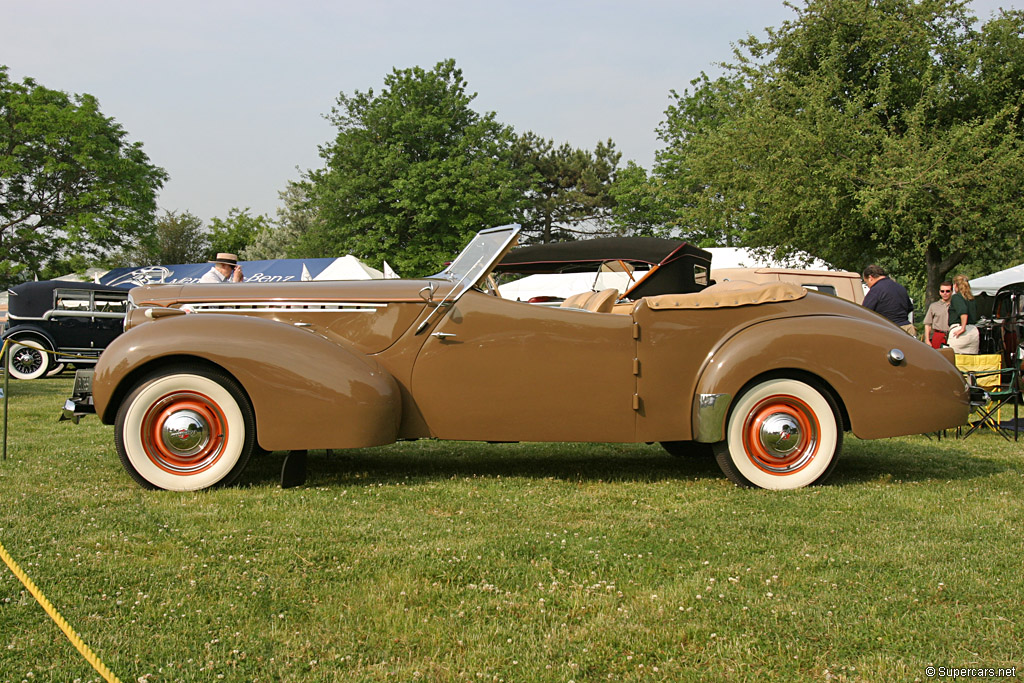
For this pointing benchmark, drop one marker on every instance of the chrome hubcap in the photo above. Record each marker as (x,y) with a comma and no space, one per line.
(780,435)
(185,433)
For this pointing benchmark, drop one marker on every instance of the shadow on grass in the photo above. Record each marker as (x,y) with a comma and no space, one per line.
(910,460)
(427,460)
(920,459)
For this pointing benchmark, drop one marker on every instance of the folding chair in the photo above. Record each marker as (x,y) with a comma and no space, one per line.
(1003,389)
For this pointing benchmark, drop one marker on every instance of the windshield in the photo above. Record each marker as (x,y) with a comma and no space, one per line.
(480,255)
(473,264)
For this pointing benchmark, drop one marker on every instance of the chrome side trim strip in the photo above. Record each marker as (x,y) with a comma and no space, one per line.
(267,306)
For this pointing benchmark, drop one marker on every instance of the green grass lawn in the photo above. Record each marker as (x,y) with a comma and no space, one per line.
(440,561)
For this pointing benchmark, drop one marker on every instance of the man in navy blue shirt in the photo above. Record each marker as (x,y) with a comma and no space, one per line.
(888,298)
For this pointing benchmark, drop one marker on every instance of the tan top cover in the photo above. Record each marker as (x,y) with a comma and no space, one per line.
(729,294)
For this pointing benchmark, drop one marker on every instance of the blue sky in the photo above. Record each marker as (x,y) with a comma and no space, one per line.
(229,97)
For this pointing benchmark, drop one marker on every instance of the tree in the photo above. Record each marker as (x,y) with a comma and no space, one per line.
(70,181)
(280,239)
(883,130)
(178,238)
(570,187)
(236,232)
(680,193)
(412,173)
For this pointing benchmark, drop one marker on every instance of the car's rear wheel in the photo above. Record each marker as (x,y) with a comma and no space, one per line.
(29,359)
(185,429)
(781,434)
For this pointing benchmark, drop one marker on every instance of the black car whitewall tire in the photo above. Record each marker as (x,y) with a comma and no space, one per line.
(29,359)
(781,434)
(185,429)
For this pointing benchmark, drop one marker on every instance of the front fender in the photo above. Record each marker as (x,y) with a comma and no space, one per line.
(306,391)
(923,393)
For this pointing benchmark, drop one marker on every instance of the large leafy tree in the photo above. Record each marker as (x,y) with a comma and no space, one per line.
(882,130)
(570,188)
(678,190)
(412,172)
(70,181)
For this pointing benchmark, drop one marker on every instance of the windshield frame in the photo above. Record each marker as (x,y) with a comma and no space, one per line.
(474,263)
(480,255)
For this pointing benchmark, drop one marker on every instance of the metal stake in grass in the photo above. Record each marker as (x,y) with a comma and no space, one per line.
(6,393)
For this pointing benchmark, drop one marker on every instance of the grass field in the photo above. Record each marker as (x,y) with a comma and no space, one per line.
(438,561)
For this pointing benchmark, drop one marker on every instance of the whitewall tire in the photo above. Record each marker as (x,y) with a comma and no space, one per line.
(781,434)
(185,429)
(29,359)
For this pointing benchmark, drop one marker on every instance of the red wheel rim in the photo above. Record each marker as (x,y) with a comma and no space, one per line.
(781,434)
(184,433)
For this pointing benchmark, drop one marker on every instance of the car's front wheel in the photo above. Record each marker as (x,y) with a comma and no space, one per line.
(29,359)
(185,429)
(781,434)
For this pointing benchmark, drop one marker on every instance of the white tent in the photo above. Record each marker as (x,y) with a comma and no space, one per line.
(349,268)
(990,284)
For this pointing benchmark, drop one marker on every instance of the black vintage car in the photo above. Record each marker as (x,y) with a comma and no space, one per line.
(53,323)
(1008,323)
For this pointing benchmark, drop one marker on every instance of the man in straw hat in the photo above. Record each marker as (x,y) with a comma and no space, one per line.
(225,269)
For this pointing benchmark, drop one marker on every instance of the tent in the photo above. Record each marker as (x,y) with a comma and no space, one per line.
(349,268)
(990,284)
(274,270)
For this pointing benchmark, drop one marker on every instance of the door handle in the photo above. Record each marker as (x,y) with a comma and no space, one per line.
(443,335)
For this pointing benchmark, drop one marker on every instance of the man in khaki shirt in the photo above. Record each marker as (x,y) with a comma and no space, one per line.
(936,319)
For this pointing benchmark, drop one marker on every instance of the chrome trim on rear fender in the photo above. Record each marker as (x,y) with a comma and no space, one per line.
(709,411)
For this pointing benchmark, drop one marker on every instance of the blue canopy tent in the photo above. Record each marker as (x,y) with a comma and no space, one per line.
(274,270)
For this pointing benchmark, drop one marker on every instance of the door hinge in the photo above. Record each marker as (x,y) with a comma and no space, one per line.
(636,401)
(636,366)
(636,330)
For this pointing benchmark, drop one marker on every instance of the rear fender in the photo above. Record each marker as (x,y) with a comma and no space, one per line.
(849,358)
(306,391)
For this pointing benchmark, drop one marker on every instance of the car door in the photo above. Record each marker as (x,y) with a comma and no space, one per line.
(71,318)
(500,370)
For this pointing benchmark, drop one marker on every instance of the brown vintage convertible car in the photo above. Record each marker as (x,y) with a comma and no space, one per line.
(767,376)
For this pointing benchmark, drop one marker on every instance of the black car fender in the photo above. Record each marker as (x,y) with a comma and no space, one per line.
(27,331)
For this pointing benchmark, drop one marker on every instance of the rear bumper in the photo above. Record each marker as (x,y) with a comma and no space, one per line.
(80,402)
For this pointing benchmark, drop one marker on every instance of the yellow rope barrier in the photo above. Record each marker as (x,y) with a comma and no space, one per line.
(48,607)
(53,353)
